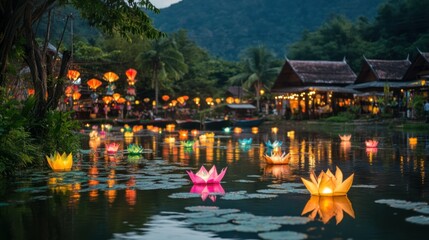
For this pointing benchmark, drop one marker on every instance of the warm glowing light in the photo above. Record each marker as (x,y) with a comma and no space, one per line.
(229,100)
(206,177)
(94,83)
(371,143)
(60,162)
(170,127)
(255,130)
(328,207)
(277,158)
(112,148)
(345,137)
(76,96)
(165,98)
(110,77)
(328,184)
(73,75)
(107,99)
(116,96)
(131,74)
(238,130)
(194,132)
(274,130)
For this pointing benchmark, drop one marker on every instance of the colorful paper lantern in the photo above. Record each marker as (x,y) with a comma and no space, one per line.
(207,177)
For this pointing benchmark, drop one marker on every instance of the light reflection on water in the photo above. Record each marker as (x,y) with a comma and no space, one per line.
(122,196)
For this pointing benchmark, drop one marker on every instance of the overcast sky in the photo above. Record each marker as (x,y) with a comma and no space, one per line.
(163,3)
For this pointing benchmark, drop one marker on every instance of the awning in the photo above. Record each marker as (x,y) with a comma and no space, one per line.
(315,88)
(241,106)
(397,85)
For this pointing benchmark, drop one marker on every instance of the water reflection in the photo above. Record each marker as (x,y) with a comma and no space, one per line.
(208,191)
(279,172)
(328,207)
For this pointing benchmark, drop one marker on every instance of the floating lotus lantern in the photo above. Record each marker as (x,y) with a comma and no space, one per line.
(291,134)
(238,130)
(227,130)
(255,130)
(194,132)
(112,148)
(274,130)
(187,144)
(208,191)
(204,177)
(328,207)
(137,128)
(183,134)
(371,143)
(210,135)
(94,83)
(345,137)
(277,158)
(170,127)
(328,184)
(245,141)
(134,149)
(202,138)
(170,140)
(60,162)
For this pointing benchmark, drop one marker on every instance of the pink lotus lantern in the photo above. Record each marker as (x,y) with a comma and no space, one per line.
(345,137)
(371,143)
(112,148)
(209,191)
(206,177)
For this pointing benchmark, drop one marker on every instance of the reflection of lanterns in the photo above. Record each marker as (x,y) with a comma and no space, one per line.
(328,184)
(255,130)
(76,95)
(170,127)
(94,83)
(275,130)
(291,134)
(110,77)
(279,171)
(165,98)
(328,207)
(371,143)
(412,141)
(209,191)
(170,140)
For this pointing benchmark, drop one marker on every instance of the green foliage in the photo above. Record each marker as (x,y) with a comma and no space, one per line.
(341,117)
(418,103)
(59,133)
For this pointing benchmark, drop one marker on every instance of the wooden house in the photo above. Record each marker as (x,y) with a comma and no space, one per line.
(313,88)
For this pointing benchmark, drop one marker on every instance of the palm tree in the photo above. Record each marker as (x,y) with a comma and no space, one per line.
(162,61)
(257,70)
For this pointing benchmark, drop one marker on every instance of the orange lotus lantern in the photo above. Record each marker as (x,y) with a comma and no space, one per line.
(73,75)
(110,77)
(328,184)
(238,130)
(116,96)
(165,98)
(275,130)
(76,95)
(183,134)
(94,83)
(328,207)
(277,158)
(194,132)
(170,127)
(60,162)
(137,128)
(131,74)
(121,100)
(345,137)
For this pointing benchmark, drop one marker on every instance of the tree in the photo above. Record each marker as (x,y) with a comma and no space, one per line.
(19,20)
(163,62)
(258,70)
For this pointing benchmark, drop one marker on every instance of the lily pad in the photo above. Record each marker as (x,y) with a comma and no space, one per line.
(422,220)
(282,235)
(364,186)
(184,195)
(401,204)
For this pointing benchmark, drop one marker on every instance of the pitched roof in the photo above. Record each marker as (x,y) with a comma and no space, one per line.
(389,69)
(419,68)
(297,73)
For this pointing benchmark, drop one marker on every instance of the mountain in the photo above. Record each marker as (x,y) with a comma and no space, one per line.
(226,27)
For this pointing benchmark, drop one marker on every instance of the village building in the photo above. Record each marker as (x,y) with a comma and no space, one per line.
(313,88)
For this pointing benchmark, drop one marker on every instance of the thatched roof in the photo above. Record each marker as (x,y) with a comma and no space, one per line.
(419,69)
(382,70)
(299,73)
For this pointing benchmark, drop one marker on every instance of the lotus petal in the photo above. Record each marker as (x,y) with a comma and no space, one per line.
(60,162)
(328,184)
(206,177)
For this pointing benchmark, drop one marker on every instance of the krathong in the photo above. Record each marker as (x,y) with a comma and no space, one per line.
(371,143)
(328,207)
(187,144)
(345,137)
(245,141)
(238,130)
(60,162)
(206,177)
(328,184)
(209,191)
(277,158)
(183,134)
(112,148)
(255,130)
(275,130)
(134,149)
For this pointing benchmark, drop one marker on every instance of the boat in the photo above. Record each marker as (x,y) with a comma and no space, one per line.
(216,124)
(188,124)
(248,122)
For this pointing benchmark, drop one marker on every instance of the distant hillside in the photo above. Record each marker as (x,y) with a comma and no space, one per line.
(226,27)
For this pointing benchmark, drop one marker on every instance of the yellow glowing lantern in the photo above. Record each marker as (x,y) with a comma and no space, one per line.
(194,132)
(170,140)
(170,127)
(60,162)
(275,130)
(183,134)
(107,99)
(94,83)
(116,96)
(209,100)
(165,98)
(73,75)
(229,100)
(181,100)
(110,77)
(237,100)
(146,100)
(149,127)
(255,130)
(413,142)
(238,130)
(186,98)
(69,91)
(31,91)
(76,95)
(218,100)
(137,128)
(328,184)
(291,134)
(174,102)
(197,100)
